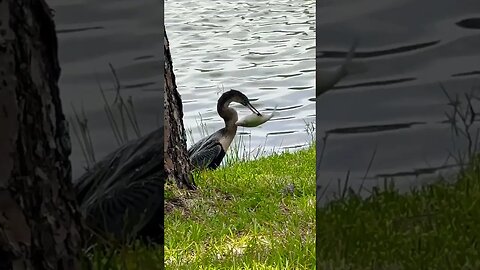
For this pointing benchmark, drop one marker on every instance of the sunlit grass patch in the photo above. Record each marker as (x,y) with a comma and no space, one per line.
(251,215)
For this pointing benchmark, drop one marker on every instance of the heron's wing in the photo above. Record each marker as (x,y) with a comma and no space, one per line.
(126,179)
(205,155)
(136,160)
(196,146)
(124,210)
(201,143)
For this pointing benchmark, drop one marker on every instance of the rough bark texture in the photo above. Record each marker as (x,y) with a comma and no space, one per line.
(40,227)
(177,164)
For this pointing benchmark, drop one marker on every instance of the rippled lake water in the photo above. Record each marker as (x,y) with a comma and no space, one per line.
(93,34)
(266,49)
(393,103)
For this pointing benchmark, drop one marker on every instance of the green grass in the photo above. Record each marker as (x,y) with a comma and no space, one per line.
(435,227)
(127,257)
(243,217)
(239,218)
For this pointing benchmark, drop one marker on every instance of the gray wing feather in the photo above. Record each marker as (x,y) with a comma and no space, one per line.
(204,156)
(201,143)
(125,208)
(128,180)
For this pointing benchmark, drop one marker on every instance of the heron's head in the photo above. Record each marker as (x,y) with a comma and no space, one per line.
(236,96)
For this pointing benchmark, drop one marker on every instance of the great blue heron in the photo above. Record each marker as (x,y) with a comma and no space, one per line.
(210,151)
(122,195)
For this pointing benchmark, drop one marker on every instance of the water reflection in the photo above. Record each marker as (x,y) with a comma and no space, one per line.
(470,23)
(392,103)
(91,35)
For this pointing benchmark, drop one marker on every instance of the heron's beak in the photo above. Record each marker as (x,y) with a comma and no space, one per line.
(250,106)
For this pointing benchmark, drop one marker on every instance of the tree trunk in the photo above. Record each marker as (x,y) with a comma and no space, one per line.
(177,163)
(40,227)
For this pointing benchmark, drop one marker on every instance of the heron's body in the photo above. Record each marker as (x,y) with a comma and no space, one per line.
(123,194)
(210,151)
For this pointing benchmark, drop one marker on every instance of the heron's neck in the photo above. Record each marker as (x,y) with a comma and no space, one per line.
(230,117)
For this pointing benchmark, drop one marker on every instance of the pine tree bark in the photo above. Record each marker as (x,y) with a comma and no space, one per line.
(40,227)
(177,163)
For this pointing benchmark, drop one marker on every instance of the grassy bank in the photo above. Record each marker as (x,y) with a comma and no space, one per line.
(250,215)
(246,216)
(436,227)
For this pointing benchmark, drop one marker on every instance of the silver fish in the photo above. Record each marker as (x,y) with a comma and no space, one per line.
(327,79)
(255,120)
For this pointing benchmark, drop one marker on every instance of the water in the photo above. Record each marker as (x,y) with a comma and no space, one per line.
(407,47)
(266,49)
(392,102)
(93,34)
